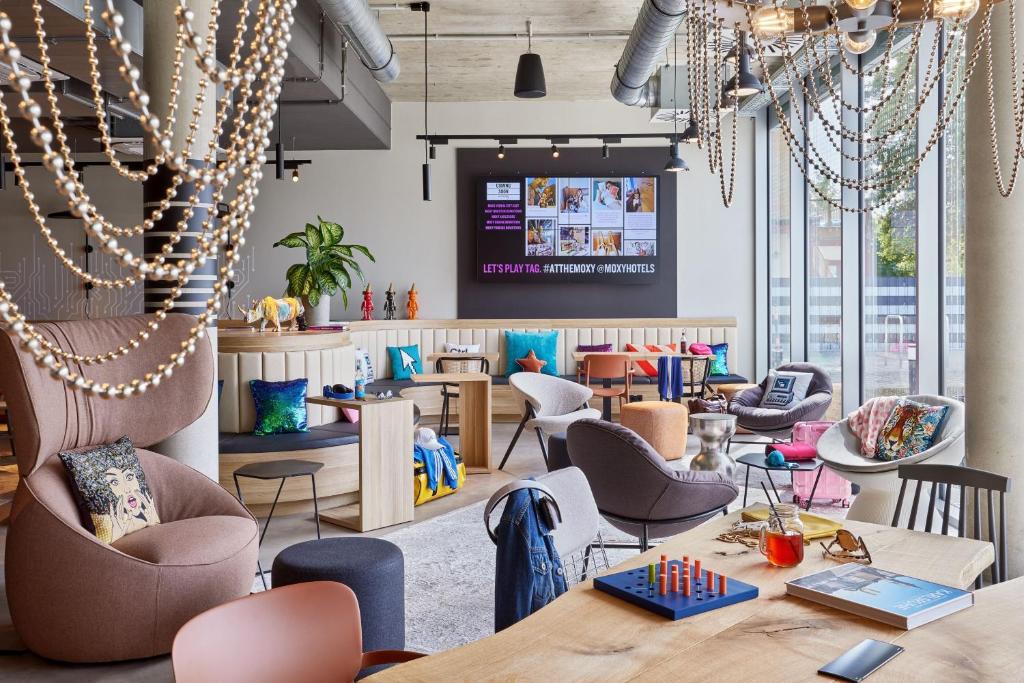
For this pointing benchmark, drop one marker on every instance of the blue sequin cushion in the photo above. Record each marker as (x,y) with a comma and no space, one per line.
(720,365)
(280,406)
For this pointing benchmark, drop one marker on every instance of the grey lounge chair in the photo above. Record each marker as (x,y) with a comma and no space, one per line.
(636,491)
(778,424)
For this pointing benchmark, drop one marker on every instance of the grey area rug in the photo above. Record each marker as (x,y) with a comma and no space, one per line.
(449,569)
(449,572)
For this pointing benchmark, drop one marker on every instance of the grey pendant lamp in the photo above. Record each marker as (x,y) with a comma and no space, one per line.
(675,162)
(530,82)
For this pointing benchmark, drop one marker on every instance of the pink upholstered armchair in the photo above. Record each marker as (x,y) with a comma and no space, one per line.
(72,597)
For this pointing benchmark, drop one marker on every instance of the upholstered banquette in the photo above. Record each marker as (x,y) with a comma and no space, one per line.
(323,357)
(431,336)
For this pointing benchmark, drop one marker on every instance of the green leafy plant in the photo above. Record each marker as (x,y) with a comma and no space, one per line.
(329,263)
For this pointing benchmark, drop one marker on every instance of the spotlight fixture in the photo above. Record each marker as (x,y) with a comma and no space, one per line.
(675,162)
(605,153)
(530,72)
(743,83)
(501,151)
(295,175)
(692,132)
(554,151)
(433,152)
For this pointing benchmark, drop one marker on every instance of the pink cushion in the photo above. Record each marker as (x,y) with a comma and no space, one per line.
(793,451)
(699,349)
(350,414)
(867,421)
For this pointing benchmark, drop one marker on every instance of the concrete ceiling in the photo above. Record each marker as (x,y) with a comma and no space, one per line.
(482,70)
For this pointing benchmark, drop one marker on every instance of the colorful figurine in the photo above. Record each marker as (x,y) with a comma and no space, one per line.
(389,302)
(367,305)
(413,306)
(274,311)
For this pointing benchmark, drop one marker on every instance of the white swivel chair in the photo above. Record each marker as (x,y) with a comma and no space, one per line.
(879,479)
(548,404)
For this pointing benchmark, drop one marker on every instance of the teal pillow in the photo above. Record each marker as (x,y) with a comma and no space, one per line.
(405,361)
(280,406)
(519,344)
(720,365)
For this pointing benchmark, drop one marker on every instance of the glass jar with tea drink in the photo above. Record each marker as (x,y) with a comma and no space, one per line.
(782,540)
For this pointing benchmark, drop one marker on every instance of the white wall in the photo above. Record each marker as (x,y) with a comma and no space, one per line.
(376,195)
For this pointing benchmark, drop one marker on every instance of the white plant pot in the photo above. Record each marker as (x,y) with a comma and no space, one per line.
(319,314)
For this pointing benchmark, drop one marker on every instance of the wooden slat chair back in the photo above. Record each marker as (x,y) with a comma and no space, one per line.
(943,478)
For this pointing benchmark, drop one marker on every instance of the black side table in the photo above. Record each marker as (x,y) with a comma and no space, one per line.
(283,470)
(758,460)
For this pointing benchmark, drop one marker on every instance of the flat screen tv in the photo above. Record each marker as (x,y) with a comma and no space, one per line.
(568,229)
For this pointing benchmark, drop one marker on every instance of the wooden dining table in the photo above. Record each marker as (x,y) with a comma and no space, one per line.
(587,635)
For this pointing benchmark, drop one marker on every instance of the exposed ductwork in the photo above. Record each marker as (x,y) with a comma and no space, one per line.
(655,25)
(359,24)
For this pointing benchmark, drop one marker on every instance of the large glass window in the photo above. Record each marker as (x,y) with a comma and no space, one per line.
(825,245)
(779,249)
(889,250)
(955,225)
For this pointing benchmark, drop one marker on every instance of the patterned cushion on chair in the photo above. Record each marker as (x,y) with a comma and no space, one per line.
(911,429)
(648,368)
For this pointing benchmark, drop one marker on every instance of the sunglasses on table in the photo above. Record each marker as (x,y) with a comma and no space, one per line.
(846,547)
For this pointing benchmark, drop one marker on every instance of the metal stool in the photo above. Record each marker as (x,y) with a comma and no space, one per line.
(283,470)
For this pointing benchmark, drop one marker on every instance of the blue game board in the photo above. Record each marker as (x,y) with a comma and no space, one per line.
(632,586)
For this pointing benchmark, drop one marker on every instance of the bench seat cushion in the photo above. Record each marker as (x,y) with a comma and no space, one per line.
(324,436)
(727,379)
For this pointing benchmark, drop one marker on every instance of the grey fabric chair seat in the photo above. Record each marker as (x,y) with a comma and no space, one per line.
(636,490)
(778,424)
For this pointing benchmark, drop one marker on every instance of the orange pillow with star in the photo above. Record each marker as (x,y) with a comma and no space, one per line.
(531,363)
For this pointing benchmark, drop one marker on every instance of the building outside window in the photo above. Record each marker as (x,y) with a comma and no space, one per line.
(780,288)
(889,277)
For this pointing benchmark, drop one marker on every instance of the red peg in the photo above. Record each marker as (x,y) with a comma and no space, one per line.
(686,584)
(663,585)
(696,570)
(721,584)
(711,581)
(675,579)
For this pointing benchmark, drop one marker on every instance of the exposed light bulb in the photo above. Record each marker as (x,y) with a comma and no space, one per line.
(862,5)
(956,9)
(773,21)
(554,151)
(859,43)
(295,176)
(501,151)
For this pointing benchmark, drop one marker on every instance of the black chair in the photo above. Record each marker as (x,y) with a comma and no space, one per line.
(449,390)
(943,478)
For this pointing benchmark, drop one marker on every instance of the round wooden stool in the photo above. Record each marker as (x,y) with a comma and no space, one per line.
(660,423)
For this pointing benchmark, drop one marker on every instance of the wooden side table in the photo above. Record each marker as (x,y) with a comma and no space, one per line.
(474,415)
(385,464)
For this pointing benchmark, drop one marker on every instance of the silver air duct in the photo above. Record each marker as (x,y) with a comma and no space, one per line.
(359,24)
(655,25)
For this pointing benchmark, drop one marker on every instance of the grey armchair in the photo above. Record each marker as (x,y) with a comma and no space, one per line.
(636,491)
(778,424)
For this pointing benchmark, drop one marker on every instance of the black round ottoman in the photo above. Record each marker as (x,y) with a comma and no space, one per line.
(558,452)
(373,568)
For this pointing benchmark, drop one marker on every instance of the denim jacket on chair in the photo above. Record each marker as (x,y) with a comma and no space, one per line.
(528,572)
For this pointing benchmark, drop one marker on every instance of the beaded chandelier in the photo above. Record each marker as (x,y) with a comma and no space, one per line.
(818,42)
(251,82)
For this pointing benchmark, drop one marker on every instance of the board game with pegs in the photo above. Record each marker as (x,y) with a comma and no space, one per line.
(633,586)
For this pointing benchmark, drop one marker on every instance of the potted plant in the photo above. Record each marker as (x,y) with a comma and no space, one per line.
(327,269)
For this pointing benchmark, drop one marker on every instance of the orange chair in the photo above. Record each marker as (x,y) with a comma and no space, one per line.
(608,367)
(306,632)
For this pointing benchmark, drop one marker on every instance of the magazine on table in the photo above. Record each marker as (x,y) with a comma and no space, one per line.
(895,599)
